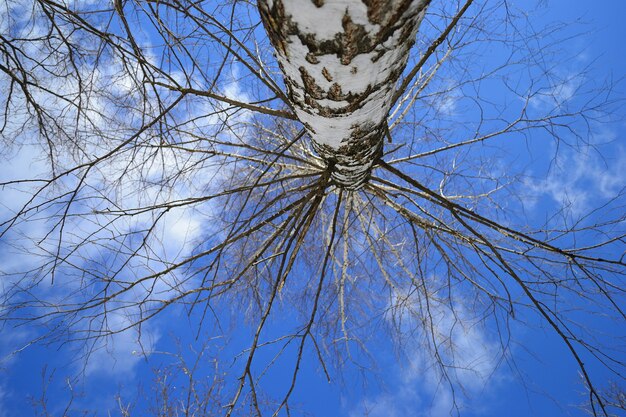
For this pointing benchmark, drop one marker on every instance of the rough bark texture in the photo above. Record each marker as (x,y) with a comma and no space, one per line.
(341,60)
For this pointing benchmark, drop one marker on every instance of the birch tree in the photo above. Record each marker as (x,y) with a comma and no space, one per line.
(341,62)
(293,160)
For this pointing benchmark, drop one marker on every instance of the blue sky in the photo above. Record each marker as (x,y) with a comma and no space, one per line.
(536,377)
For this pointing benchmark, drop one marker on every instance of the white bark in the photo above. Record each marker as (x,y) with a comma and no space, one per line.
(341,60)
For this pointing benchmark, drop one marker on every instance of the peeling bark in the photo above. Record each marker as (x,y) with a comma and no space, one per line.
(341,60)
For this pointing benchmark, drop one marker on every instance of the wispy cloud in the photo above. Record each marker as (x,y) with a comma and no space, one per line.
(450,361)
(578,180)
(447,102)
(562,89)
(118,354)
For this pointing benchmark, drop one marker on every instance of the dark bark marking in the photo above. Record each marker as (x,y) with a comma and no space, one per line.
(311,58)
(273,19)
(326,74)
(354,41)
(363,146)
(335,93)
(310,85)
(377,10)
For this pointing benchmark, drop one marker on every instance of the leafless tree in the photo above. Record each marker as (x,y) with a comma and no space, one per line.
(187,168)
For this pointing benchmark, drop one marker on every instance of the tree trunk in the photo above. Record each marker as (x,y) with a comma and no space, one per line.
(341,60)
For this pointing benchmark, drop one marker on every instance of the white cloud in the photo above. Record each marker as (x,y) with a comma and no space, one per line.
(419,387)
(562,90)
(131,179)
(119,353)
(578,180)
(447,102)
